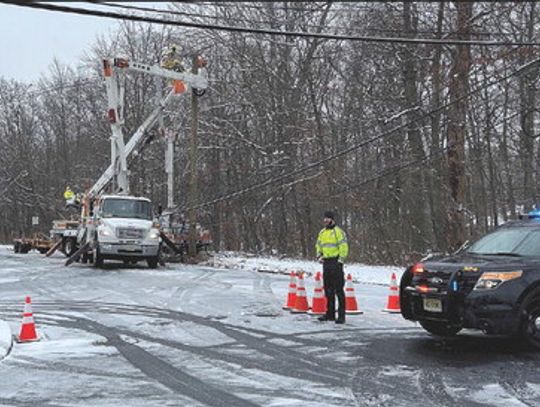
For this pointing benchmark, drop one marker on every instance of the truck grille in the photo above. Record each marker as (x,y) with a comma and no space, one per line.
(125,233)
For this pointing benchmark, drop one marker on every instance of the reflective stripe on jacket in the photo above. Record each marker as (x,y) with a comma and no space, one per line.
(332,242)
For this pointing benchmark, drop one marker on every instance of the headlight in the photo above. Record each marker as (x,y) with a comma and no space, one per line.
(154,234)
(105,231)
(491,280)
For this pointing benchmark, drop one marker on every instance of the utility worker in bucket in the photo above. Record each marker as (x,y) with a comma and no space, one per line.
(72,200)
(332,250)
(69,196)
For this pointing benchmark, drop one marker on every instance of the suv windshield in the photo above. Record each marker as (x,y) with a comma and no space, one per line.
(520,241)
(126,208)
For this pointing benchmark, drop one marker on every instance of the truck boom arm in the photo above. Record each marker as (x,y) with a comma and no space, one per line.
(135,140)
(115,94)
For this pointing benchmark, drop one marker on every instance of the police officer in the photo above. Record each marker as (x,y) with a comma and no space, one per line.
(332,251)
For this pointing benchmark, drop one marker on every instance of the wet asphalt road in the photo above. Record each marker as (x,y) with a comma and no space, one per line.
(192,336)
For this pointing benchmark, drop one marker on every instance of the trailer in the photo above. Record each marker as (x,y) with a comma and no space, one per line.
(38,241)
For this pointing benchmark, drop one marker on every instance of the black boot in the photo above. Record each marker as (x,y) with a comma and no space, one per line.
(340,320)
(325,318)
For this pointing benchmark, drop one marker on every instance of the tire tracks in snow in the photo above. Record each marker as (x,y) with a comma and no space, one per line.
(171,377)
(284,362)
(515,382)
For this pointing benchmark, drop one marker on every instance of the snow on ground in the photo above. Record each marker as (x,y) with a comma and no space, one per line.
(5,339)
(361,273)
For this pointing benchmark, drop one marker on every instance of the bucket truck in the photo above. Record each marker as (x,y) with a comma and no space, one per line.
(117,225)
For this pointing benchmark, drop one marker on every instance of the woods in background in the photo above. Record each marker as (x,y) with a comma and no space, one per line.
(417,147)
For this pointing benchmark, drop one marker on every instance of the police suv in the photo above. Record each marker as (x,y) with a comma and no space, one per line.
(493,285)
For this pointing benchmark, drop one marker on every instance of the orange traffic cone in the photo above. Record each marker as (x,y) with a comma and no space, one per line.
(351,306)
(291,296)
(393,298)
(301,303)
(28,327)
(319,304)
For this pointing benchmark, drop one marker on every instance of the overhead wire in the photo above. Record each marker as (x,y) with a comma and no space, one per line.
(395,40)
(357,146)
(273,32)
(243,20)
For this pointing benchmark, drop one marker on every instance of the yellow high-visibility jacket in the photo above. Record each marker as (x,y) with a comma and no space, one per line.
(68,194)
(332,242)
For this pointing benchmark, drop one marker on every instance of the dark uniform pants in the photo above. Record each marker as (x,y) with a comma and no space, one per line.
(334,281)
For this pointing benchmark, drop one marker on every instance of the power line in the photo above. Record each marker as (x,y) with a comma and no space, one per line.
(205,16)
(357,146)
(243,20)
(282,22)
(394,170)
(334,37)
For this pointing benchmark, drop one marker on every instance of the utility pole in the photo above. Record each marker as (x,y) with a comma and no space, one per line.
(457,127)
(193,180)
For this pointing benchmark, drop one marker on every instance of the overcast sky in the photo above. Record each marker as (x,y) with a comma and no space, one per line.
(31,38)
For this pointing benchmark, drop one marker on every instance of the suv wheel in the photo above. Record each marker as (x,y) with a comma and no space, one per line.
(404,297)
(440,328)
(530,327)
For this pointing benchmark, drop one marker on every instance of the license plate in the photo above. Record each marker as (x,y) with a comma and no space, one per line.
(432,305)
(131,247)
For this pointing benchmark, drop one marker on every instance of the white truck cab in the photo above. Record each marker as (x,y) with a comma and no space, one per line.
(123,229)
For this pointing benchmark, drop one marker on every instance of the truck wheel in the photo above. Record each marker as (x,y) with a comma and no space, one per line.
(98,259)
(530,327)
(69,247)
(152,262)
(439,328)
(25,248)
(17,247)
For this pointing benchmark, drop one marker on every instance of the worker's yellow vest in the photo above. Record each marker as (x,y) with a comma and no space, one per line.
(68,194)
(332,242)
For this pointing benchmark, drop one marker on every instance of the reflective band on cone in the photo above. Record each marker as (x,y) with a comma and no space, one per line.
(301,303)
(392,305)
(351,306)
(28,327)
(319,304)
(291,296)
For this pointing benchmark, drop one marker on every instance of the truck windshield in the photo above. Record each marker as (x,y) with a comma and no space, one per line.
(126,208)
(520,241)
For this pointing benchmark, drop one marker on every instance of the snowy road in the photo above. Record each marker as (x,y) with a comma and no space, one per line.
(195,336)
